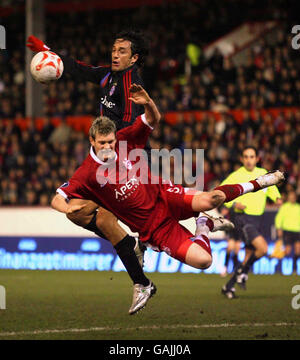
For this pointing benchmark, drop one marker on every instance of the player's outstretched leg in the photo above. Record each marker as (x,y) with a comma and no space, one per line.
(274,177)
(129,249)
(131,252)
(204,201)
(235,190)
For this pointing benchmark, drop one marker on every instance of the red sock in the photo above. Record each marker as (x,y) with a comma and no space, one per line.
(231,191)
(204,242)
(256,185)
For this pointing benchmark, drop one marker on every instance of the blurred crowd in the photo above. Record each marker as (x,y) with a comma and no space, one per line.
(276,139)
(270,78)
(88,36)
(34,163)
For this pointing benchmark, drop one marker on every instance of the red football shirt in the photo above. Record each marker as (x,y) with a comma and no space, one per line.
(116,187)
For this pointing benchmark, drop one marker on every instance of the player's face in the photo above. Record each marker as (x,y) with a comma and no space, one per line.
(249,159)
(121,55)
(104,146)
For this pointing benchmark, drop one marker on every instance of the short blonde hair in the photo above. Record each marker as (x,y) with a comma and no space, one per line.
(102,125)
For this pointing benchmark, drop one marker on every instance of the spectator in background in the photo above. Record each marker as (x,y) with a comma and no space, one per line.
(287,223)
(47,129)
(62,134)
(31,197)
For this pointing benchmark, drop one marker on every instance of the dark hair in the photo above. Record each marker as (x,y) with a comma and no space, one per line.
(139,44)
(250,147)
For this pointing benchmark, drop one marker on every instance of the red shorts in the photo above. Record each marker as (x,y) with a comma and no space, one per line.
(171,237)
(180,201)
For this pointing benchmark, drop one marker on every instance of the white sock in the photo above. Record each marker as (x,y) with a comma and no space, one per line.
(247,187)
(201,226)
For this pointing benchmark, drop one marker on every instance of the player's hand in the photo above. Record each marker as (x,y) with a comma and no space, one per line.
(139,95)
(75,208)
(239,206)
(35,44)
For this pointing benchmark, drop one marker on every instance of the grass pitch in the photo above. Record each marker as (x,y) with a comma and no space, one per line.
(94,305)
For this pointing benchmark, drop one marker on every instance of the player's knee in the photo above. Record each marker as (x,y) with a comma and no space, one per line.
(217,198)
(204,262)
(104,220)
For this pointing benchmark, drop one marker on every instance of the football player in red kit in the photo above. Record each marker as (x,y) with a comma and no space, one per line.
(107,177)
(128,53)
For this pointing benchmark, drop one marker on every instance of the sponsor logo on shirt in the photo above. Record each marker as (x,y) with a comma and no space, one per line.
(107,103)
(126,190)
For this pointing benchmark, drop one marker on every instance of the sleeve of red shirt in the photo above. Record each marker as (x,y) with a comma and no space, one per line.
(136,134)
(71,189)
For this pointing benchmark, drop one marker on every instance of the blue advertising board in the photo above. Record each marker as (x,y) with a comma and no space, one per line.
(56,253)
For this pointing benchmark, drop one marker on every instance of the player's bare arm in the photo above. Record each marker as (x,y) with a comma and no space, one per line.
(59,203)
(140,96)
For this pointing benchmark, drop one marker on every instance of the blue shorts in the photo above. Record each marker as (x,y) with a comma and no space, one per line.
(247,227)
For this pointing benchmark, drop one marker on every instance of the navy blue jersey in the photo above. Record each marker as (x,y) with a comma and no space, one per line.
(114,89)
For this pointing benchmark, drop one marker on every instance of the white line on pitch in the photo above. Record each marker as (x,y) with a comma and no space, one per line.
(153,327)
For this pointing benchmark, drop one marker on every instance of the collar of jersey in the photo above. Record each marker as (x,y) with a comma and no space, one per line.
(242,168)
(95,158)
(132,67)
